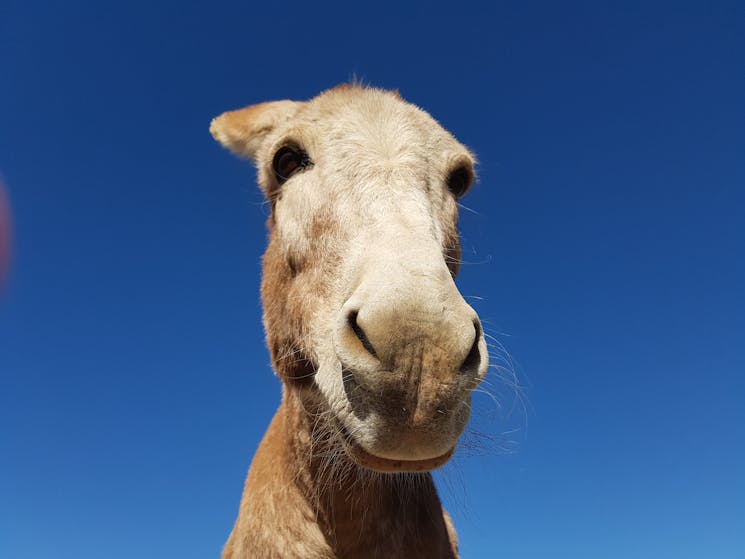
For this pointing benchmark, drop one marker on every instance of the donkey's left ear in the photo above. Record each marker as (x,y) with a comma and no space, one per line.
(243,131)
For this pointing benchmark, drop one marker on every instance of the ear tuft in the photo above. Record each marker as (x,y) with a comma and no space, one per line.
(243,131)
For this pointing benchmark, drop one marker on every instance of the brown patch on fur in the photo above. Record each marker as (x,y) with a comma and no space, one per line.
(290,293)
(284,318)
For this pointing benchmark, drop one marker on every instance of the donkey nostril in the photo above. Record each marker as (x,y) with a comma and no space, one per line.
(360,333)
(473,359)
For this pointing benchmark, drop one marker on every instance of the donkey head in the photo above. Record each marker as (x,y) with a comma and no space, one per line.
(363,318)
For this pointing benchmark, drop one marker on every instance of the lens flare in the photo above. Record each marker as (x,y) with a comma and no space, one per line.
(4,234)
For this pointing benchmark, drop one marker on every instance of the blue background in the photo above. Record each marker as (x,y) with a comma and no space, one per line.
(605,251)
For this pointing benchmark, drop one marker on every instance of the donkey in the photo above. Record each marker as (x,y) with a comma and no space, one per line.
(377,350)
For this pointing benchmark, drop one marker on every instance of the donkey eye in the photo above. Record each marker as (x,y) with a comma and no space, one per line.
(288,161)
(459,180)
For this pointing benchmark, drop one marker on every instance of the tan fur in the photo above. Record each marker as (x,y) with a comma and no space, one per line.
(377,350)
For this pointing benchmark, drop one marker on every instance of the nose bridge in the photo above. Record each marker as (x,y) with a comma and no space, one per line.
(401,246)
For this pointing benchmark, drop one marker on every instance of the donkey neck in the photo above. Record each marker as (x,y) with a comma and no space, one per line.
(360,513)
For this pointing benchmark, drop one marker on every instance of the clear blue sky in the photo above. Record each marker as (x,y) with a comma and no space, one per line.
(605,250)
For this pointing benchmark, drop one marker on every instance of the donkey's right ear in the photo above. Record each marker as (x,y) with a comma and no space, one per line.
(243,131)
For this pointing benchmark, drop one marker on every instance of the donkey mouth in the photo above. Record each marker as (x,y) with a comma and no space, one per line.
(400,421)
(370,461)
(386,465)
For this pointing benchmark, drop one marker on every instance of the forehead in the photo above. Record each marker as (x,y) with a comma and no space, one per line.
(361,122)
